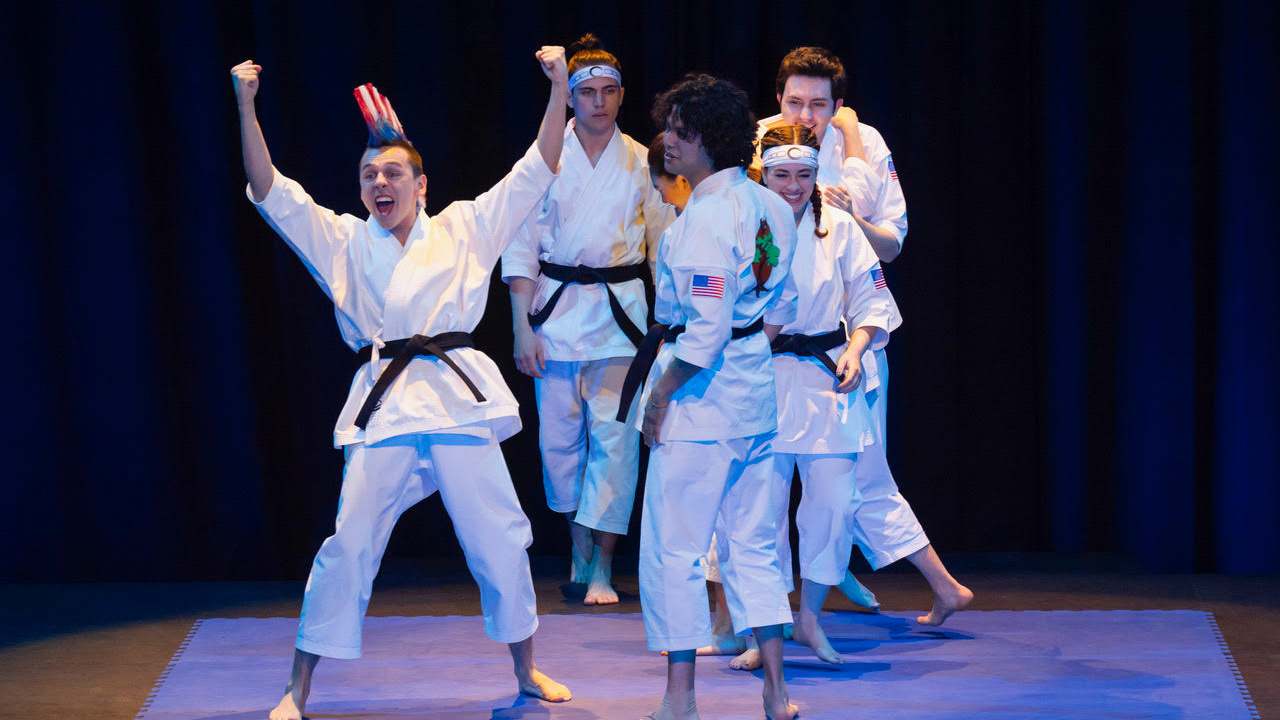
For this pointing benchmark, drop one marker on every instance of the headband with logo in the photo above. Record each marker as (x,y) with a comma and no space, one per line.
(594,71)
(784,154)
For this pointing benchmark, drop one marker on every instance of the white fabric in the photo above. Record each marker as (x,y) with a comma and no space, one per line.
(828,500)
(590,461)
(715,237)
(383,480)
(438,283)
(692,490)
(884,526)
(877,195)
(601,216)
(834,284)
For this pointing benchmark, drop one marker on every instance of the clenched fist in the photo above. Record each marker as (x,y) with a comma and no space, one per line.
(244,78)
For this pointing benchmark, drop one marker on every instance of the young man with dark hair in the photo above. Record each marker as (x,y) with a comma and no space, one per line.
(426,410)
(708,410)
(577,308)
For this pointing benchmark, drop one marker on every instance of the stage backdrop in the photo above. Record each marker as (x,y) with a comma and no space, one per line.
(1088,360)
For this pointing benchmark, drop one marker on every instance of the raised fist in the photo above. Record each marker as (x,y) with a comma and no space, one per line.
(244,78)
(553,64)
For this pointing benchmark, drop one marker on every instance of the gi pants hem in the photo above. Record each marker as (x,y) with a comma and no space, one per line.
(886,556)
(512,637)
(315,647)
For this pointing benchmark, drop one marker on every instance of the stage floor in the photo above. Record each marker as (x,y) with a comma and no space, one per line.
(96,650)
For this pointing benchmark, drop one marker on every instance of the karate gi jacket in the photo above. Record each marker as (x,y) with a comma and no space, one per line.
(603,216)
(838,278)
(438,283)
(713,242)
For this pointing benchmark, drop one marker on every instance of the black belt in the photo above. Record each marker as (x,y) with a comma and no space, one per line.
(590,276)
(401,352)
(647,352)
(815,346)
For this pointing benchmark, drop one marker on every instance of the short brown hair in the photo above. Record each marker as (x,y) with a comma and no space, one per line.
(817,62)
(415,159)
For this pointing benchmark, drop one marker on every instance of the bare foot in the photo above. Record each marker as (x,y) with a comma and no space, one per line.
(540,686)
(816,640)
(858,593)
(664,712)
(600,591)
(779,708)
(749,660)
(945,604)
(286,710)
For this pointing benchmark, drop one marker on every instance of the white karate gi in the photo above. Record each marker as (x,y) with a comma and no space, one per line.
(598,216)
(430,433)
(885,527)
(819,429)
(712,470)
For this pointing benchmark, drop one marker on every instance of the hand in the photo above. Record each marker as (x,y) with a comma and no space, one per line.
(244,78)
(530,355)
(849,368)
(844,119)
(654,414)
(837,197)
(553,64)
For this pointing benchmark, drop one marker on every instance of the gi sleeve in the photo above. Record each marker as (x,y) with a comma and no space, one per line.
(874,186)
(520,259)
(320,237)
(785,307)
(706,287)
(867,300)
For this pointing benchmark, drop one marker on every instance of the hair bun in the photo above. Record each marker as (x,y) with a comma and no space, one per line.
(587,42)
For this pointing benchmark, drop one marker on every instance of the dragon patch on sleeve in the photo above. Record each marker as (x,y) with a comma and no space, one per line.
(766,258)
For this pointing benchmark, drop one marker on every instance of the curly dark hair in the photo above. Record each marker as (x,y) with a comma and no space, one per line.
(797,135)
(813,62)
(714,109)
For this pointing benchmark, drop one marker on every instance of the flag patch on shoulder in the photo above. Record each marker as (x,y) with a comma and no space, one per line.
(877,277)
(893,171)
(708,286)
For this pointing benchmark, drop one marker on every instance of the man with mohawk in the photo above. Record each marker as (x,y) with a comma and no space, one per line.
(426,410)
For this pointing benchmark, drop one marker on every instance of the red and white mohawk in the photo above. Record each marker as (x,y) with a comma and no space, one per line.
(378,115)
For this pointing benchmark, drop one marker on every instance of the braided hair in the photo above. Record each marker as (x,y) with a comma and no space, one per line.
(797,135)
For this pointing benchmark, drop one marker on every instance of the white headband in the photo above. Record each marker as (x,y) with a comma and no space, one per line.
(783,154)
(592,71)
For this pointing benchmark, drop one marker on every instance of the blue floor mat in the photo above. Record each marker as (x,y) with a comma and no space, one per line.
(1006,664)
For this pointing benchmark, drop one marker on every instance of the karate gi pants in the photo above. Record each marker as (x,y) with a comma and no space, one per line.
(379,483)
(828,501)
(693,489)
(590,460)
(884,525)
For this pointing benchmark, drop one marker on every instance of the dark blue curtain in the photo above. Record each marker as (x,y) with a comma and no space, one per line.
(1089,356)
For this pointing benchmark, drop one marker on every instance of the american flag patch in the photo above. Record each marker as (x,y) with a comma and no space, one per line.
(877,277)
(893,171)
(708,286)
